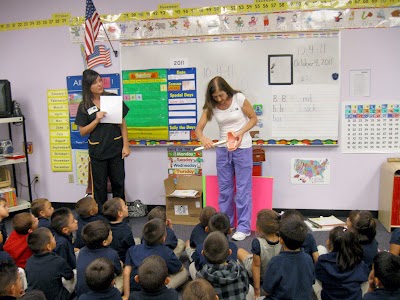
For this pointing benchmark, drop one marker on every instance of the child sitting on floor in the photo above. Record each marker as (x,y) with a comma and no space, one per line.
(4,213)
(395,242)
(199,289)
(42,209)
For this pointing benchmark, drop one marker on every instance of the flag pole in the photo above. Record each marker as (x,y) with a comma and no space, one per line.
(115,51)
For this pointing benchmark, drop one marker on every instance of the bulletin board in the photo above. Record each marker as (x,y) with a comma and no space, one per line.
(304,109)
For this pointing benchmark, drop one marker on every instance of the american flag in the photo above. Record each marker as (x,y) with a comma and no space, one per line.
(92,26)
(100,56)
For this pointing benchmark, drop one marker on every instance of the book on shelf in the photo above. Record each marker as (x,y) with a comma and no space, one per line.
(322,222)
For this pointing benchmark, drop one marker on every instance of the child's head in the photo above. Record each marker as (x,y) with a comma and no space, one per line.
(292,232)
(87,207)
(100,274)
(293,214)
(152,274)
(4,209)
(42,208)
(41,240)
(345,242)
(157,212)
(385,271)
(154,232)
(219,222)
(97,234)
(206,214)
(364,224)
(115,209)
(10,281)
(199,289)
(216,248)
(267,222)
(24,223)
(63,221)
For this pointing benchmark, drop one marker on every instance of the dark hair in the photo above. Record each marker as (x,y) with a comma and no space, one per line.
(292,213)
(267,222)
(22,222)
(100,274)
(88,78)
(386,268)
(152,273)
(365,225)
(157,212)
(216,248)
(38,206)
(111,208)
(83,206)
(8,277)
(216,84)
(206,214)
(154,231)
(219,222)
(346,243)
(39,239)
(199,289)
(293,232)
(95,233)
(60,219)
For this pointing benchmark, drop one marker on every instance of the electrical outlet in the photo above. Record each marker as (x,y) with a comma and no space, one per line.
(71,178)
(36,178)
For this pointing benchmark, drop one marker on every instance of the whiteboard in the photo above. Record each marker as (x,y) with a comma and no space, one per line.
(307,109)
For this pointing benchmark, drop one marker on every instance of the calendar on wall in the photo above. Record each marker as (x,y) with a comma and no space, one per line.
(370,128)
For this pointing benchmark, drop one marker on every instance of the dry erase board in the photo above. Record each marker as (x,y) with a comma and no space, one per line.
(304,109)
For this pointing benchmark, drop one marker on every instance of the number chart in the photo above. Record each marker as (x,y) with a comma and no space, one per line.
(368,128)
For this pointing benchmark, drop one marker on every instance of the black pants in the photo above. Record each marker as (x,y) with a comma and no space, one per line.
(112,168)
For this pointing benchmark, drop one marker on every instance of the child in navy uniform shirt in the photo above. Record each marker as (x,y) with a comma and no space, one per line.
(42,209)
(384,279)
(290,275)
(395,242)
(45,269)
(97,236)
(100,279)
(152,277)
(116,210)
(342,271)
(62,225)
(199,232)
(87,209)
(4,213)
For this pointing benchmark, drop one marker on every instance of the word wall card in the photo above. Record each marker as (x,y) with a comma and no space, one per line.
(370,128)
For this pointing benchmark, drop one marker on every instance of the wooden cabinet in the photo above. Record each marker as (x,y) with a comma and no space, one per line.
(389,195)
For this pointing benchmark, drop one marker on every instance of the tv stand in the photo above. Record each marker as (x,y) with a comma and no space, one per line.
(22,203)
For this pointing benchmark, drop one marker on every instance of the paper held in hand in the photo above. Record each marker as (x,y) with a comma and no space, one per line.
(112,105)
(184,193)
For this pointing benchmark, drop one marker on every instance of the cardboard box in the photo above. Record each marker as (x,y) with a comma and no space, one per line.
(184,210)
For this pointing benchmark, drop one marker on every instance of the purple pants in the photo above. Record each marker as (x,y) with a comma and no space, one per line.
(239,164)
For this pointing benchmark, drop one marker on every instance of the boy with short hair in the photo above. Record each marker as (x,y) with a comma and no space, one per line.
(229,278)
(16,245)
(100,278)
(154,234)
(290,275)
(97,236)
(171,241)
(63,225)
(116,210)
(42,209)
(88,211)
(4,213)
(199,289)
(153,278)
(384,279)
(45,269)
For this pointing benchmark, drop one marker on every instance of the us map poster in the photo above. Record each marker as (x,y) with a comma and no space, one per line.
(310,171)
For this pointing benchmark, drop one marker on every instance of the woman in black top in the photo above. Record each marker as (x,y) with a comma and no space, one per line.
(108,143)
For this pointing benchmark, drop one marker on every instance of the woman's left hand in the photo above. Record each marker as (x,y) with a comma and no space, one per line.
(239,139)
(125,151)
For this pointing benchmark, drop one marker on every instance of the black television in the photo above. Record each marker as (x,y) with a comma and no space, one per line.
(6,104)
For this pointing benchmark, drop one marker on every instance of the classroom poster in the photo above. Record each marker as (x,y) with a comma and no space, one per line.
(370,128)
(82,166)
(184,161)
(310,171)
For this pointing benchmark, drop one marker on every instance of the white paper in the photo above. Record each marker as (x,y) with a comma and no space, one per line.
(360,83)
(112,105)
(181,210)
(184,193)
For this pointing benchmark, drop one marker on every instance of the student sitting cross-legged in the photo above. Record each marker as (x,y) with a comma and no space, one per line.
(100,278)
(45,269)
(229,278)
(153,278)
(97,236)
(154,234)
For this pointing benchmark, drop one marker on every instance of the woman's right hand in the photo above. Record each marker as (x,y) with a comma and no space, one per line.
(100,115)
(206,142)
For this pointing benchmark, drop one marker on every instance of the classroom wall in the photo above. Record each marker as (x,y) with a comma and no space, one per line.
(40,59)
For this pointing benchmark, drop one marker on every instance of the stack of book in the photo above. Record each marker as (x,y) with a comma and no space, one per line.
(324,223)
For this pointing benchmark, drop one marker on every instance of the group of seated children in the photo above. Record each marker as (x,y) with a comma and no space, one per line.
(96,257)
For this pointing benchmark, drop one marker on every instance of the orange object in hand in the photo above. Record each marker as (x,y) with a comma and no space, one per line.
(231,141)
